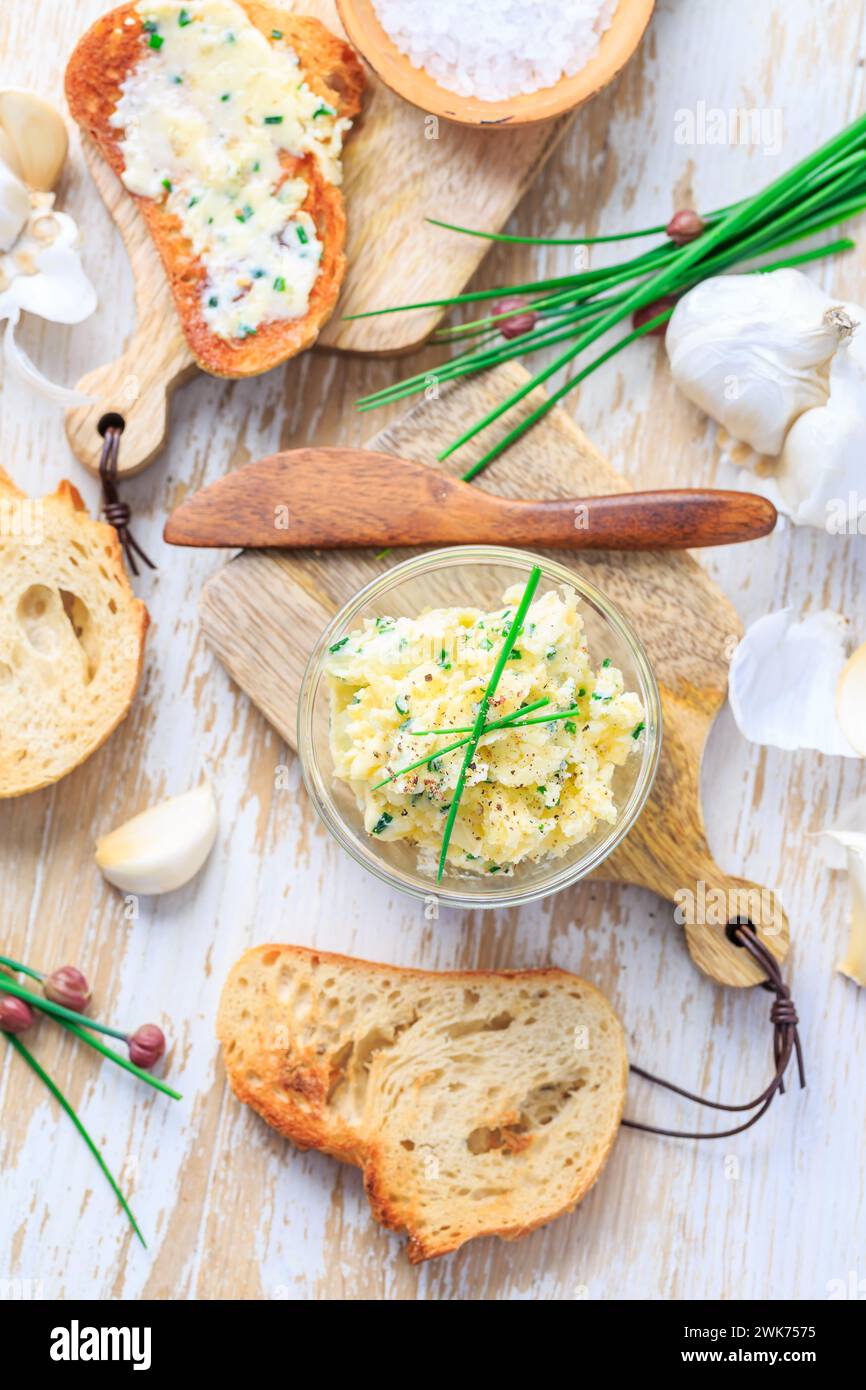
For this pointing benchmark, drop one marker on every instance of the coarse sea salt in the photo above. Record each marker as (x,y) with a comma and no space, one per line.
(496,49)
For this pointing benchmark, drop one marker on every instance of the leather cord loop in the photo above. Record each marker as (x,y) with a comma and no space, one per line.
(786,1043)
(117,512)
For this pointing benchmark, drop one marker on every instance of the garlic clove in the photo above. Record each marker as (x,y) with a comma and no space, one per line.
(162,848)
(8,154)
(34,138)
(783,678)
(14,207)
(820,473)
(845,847)
(851,700)
(853,963)
(819,478)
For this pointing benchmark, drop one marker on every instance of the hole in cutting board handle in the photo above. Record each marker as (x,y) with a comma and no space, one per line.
(110,421)
(730,930)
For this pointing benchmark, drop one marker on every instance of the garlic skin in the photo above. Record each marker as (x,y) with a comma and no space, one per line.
(783,680)
(41,273)
(33,138)
(753,351)
(821,476)
(162,848)
(57,289)
(845,847)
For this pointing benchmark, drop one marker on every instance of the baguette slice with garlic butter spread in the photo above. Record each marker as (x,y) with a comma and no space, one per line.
(225,121)
(476,1102)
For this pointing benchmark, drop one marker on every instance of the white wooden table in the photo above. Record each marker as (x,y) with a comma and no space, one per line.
(230,1211)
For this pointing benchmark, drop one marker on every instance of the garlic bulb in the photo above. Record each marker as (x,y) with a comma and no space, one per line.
(162,848)
(33,139)
(754,351)
(821,476)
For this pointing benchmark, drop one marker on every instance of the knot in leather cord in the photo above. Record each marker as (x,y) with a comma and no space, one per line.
(117,512)
(786,1042)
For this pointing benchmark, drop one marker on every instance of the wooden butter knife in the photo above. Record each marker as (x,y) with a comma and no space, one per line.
(350,498)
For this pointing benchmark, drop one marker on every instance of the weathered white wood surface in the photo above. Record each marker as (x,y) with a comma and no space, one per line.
(229,1210)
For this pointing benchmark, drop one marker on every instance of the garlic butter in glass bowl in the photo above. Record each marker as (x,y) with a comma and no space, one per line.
(573,727)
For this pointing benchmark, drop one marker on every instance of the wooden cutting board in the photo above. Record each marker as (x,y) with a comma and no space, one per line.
(401,167)
(688,626)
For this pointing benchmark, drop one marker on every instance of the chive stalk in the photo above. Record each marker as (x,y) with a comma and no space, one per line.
(467,728)
(118,1059)
(481,718)
(48,1006)
(506,720)
(65,1105)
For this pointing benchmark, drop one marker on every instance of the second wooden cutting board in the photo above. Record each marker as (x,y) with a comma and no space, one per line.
(265,610)
(401,167)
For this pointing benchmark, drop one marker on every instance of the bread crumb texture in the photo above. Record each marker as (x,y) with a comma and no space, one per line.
(71,636)
(476,1103)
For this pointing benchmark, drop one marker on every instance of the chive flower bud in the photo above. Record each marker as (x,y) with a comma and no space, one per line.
(146,1045)
(651,311)
(16,1015)
(685,225)
(523,320)
(67,986)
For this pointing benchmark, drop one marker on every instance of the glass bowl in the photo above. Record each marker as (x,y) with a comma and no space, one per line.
(477,575)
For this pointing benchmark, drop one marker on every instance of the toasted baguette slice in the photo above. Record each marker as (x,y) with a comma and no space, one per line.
(100,62)
(71,636)
(476,1103)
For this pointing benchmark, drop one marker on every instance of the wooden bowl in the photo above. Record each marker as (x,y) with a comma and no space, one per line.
(364,31)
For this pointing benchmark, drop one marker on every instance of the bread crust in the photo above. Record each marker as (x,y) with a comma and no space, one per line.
(70,512)
(100,62)
(318,1129)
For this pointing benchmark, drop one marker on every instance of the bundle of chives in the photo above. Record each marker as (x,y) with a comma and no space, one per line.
(80,1026)
(819,192)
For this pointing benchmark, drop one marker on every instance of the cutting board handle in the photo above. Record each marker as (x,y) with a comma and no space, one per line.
(138,386)
(719,899)
(706,901)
